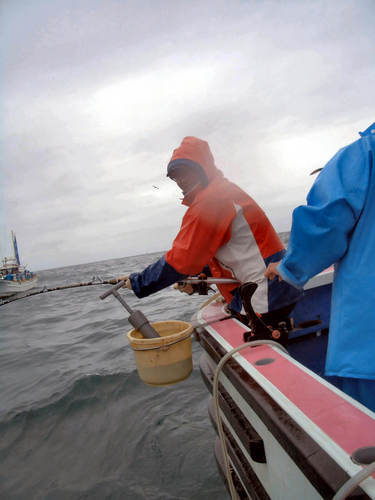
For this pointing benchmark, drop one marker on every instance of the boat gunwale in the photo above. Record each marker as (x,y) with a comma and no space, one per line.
(321,470)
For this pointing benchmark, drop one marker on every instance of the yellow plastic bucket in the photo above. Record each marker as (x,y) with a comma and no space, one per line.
(166,359)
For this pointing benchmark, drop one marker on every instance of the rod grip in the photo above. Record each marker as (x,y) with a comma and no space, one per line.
(113,289)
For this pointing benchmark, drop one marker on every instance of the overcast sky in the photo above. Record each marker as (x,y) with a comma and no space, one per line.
(95,95)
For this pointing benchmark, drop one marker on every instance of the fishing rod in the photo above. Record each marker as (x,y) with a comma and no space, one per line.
(96,280)
(195,280)
(201,284)
(136,318)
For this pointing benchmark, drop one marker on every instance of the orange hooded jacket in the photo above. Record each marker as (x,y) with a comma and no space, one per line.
(223,228)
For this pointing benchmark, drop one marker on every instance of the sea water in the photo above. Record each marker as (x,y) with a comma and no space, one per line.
(76,422)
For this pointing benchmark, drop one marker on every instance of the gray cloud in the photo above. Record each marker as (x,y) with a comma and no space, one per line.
(95,95)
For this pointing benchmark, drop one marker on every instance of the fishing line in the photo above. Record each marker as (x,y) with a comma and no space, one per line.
(95,281)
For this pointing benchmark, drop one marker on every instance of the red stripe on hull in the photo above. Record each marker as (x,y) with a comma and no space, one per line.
(344,423)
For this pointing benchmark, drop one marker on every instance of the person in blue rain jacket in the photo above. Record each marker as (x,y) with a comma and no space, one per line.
(338,226)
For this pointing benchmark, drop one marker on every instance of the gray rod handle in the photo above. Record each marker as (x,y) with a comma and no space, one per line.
(136,318)
(113,289)
(141,323)
(122,301)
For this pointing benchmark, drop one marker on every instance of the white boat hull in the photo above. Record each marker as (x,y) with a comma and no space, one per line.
(8,288)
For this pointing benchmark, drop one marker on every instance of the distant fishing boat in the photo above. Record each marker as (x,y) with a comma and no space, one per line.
(14,277)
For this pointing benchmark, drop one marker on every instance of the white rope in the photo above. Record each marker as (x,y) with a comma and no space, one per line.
(352,483)
(215,393)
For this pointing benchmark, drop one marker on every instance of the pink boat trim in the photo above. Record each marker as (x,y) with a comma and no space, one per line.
(346,424)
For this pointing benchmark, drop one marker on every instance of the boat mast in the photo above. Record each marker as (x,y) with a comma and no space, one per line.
(15,248)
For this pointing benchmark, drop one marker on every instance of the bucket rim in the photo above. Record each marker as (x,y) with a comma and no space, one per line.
(161,346)
(165,340)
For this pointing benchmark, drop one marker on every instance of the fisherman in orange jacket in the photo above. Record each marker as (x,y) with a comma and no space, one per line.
(224,229)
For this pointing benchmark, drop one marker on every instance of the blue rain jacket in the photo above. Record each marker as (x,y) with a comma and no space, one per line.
(338,226)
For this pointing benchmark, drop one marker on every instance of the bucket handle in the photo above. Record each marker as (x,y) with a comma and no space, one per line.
(164,347)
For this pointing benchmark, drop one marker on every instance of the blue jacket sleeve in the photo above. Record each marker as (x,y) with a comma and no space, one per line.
(321,229)
(155,277)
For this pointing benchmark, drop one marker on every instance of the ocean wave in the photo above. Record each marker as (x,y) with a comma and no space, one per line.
(75,419)
(111,436)
(85,392)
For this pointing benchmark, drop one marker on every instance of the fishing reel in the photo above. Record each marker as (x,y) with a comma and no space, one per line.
(258,329)
(199,284)
(202,287)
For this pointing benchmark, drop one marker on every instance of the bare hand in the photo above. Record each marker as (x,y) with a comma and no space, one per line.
(127,284)
(272,271)
(184,288)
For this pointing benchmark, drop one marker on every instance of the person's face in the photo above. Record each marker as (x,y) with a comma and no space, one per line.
(186,178)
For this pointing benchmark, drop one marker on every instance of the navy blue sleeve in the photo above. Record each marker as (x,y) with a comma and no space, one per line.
(155,277)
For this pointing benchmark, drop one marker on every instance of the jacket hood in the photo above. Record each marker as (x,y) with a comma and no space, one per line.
(196,153)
